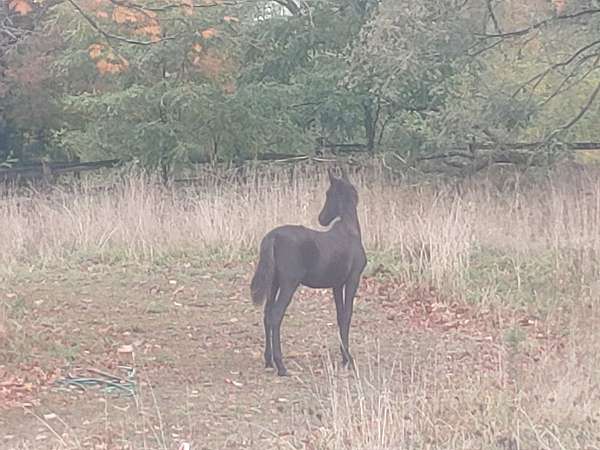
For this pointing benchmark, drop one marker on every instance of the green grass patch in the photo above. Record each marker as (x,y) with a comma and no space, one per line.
(543,279)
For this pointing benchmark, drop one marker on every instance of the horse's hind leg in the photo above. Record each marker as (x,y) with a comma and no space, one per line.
(267,324)
(277,311)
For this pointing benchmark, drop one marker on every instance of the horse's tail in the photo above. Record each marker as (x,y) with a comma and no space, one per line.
(261,284)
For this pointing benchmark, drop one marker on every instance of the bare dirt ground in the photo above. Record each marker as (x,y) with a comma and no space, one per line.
(195,340)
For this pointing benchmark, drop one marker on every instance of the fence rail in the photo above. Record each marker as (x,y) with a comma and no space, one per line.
(33,170)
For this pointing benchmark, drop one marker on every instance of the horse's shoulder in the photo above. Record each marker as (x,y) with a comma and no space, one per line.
(361,257)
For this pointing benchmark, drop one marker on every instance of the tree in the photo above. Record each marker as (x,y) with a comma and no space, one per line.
(168,82)
(408,61)
(20,21)
(445,73)
(558,53)
(161,68)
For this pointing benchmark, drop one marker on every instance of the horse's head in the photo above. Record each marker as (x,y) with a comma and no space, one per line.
(341,197)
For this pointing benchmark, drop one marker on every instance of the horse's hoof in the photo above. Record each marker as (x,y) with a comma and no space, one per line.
(349,365)
(269,364)
(282,373)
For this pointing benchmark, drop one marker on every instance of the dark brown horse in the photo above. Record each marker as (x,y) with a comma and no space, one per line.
(291,255)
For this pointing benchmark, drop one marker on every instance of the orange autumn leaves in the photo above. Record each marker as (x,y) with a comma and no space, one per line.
(559,6)
(107,62)
(143,22)
(136,20)
(20,6)
(188,7)
(208,60)
(133,20)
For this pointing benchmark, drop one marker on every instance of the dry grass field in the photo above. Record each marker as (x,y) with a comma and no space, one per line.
(475,325)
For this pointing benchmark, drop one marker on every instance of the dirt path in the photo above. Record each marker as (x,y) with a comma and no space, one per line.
(196,343)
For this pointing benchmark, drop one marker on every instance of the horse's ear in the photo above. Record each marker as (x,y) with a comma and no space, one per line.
(344,174)
(332,176)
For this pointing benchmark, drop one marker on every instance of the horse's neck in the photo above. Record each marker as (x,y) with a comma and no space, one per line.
(349,220)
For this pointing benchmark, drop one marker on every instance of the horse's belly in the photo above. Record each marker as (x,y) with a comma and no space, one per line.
(317,284)
(329,276)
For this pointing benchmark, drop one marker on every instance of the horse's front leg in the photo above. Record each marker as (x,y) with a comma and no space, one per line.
(350,289)
(338,296)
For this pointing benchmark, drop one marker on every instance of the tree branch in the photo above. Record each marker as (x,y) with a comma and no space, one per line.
(540,24)
(561,87)
(540,76)
(484,49)
(169,6)
(452,154)
(581,113)
(493,16)
(291,6)
(115,37)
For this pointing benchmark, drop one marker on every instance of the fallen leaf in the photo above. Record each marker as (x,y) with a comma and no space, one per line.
(21,6)
(178,290)
(208,33)
(95,50)
(233,382)
(125,349)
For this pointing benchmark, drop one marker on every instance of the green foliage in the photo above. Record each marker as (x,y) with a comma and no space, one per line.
(178,121)
(308,53)
(235,80)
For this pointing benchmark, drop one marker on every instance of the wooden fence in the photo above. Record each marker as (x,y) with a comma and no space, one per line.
(34,170)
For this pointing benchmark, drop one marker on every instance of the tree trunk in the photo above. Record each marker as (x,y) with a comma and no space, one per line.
(291,6)
(164,170)
(371,118)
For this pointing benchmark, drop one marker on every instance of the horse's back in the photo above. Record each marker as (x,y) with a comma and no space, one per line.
(315,258)
(290,231)
(294,241)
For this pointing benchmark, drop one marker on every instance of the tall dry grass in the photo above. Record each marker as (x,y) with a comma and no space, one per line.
(432,230)
(553,405)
